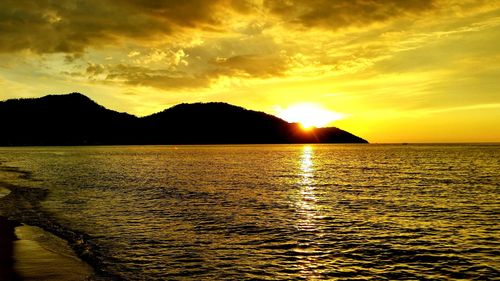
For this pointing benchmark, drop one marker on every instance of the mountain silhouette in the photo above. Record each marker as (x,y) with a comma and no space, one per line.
(74,119)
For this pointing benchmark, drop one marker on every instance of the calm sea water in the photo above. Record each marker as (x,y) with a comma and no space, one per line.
(267,212)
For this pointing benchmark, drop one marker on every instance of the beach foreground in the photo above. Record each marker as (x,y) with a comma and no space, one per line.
(29,253)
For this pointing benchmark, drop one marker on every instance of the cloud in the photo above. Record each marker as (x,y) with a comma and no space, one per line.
(94,69)
(70,58)
(243,66)
(251,65)
(142,76)
(164,81)
(343,13)
(174,73)
(133,54)
(170,57)
(461,108)
(194,43)
(68,26)
(71,26)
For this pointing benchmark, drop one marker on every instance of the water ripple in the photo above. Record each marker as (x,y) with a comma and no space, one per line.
(374,212)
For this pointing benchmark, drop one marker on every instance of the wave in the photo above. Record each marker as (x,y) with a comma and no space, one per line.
(21,204)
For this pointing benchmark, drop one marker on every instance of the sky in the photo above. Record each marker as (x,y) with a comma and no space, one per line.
(385,70)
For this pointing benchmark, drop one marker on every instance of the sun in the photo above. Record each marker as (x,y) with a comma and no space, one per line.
(309,115)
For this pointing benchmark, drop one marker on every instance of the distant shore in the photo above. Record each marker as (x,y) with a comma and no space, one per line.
(29,253)
(75,119)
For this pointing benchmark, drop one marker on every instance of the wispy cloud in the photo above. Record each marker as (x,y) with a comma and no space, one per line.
(460,108)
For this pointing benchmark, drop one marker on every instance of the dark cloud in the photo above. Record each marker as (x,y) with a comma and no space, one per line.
(163,79)
(261,66)
(70,26)
(72,57)
(251,65)
(94,69)
(142,76)
(342,13)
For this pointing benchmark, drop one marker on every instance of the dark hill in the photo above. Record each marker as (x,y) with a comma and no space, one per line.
(74,119)
(216,123)
(71,119)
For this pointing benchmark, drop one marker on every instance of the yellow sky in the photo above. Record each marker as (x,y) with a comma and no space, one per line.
(396,71)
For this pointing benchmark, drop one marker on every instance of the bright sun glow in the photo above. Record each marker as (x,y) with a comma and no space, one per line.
(309,115)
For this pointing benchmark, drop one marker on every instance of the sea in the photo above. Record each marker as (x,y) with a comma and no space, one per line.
(265,212)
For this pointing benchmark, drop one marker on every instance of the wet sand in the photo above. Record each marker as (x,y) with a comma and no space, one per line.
(29,253)
(39,255)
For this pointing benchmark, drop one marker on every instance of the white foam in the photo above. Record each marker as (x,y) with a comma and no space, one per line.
(4,192)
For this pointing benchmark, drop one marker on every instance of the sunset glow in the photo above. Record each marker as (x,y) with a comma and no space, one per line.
(389,65)
(309,115)
(249,139)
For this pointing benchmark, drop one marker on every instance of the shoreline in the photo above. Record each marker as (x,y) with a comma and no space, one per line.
(29,253)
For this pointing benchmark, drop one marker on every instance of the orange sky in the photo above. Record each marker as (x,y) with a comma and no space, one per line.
(391,70)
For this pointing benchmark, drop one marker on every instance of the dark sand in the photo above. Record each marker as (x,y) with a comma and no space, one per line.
(7,238)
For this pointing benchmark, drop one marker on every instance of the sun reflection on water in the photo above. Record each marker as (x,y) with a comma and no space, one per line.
(306,164)
(307,198)
(307,213)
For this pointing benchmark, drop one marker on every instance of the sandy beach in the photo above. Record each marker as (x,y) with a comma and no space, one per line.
(30,253)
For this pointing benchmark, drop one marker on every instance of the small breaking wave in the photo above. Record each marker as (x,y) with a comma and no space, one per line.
(22,205)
